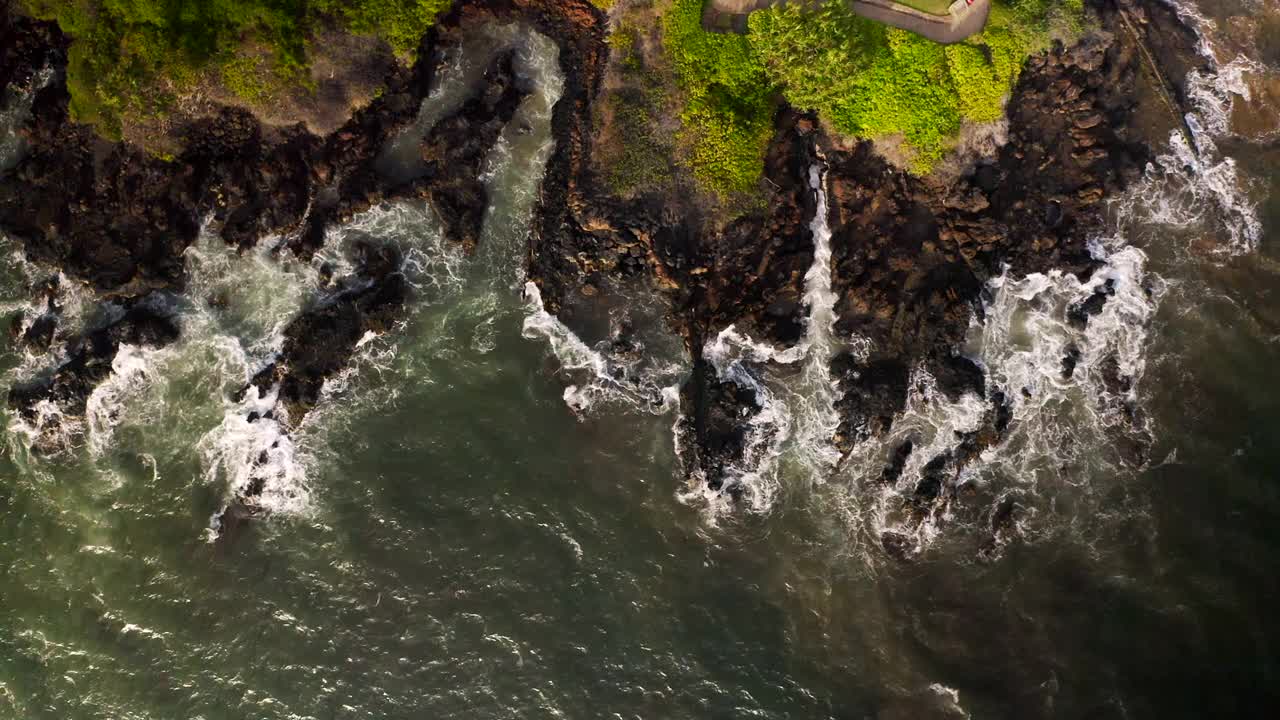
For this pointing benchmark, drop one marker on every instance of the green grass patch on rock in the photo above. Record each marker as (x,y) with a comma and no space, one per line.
(133,57)
(865,79)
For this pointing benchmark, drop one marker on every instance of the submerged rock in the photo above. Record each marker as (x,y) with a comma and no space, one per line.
(318,345)
(51,405)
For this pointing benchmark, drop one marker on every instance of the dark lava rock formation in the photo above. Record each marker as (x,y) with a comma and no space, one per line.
(911,256)
(119,220)
(318,344)
(47,403)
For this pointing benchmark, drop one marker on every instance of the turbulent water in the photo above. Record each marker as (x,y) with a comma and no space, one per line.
(482,517)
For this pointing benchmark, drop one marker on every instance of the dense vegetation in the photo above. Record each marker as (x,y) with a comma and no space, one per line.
(633,149)
(132,56)
(865,79)
(130,59)
(728,110)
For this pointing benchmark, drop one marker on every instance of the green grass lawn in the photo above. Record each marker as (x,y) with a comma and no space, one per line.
(937,7)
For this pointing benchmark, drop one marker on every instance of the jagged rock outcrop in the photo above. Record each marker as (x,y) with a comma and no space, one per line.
(912,258)
(318,344)
(47,404)
(119,220)
(911,255)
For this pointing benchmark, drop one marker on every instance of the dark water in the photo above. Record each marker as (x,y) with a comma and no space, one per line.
(451,540)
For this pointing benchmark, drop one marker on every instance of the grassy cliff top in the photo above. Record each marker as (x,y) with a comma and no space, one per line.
(132,61)
(864,79)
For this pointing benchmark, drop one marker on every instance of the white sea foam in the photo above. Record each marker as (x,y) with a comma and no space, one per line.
(1061,427)
(249,296)
(50,429)
(797,420)
(1188,184)
(431,264)
(240,453)
(241,304)
(603,377)
(131,370)
(276,454)
(815,398)
(1064,430)
(948,701)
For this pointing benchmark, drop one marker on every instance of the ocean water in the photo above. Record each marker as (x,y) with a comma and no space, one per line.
(483,519)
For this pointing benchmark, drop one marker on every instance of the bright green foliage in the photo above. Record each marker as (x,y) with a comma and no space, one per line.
(728,106)
(865,79)
(401,22)
(129,56)
(871,81)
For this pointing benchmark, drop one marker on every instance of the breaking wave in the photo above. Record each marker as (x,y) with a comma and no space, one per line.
(606,376)
(797,420)
(1072,380)
(1193,181)
(1072,393)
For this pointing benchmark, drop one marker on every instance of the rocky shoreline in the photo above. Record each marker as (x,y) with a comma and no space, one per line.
(911,256)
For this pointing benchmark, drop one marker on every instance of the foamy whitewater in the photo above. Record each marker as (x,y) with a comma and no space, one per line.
(1068,426)
(797,420)
(1059,423)
(241,304)
(239,453)
(450,534)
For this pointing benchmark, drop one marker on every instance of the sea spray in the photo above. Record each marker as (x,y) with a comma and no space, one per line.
(261,455)
(797,420)
(603,377)
(1071,389)
(131,370)
(816,393)
(253,449)
(15,111)
(1186,183)
(239,307)
(1074,389)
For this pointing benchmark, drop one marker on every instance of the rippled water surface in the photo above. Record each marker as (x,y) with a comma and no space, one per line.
(482,518)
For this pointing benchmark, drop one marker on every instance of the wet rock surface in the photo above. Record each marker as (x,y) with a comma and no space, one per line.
(318,345)
(715,413)
(47,404)
(911,256)
(120,220)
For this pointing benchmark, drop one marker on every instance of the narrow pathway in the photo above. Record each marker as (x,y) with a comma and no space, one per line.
(963,19)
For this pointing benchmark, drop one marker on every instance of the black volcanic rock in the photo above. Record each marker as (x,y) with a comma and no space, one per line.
(318,344)
(89,364)
(714,416)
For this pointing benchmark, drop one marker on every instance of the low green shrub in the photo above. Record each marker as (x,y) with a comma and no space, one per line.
(132,56)
(865,79)
(728,111)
